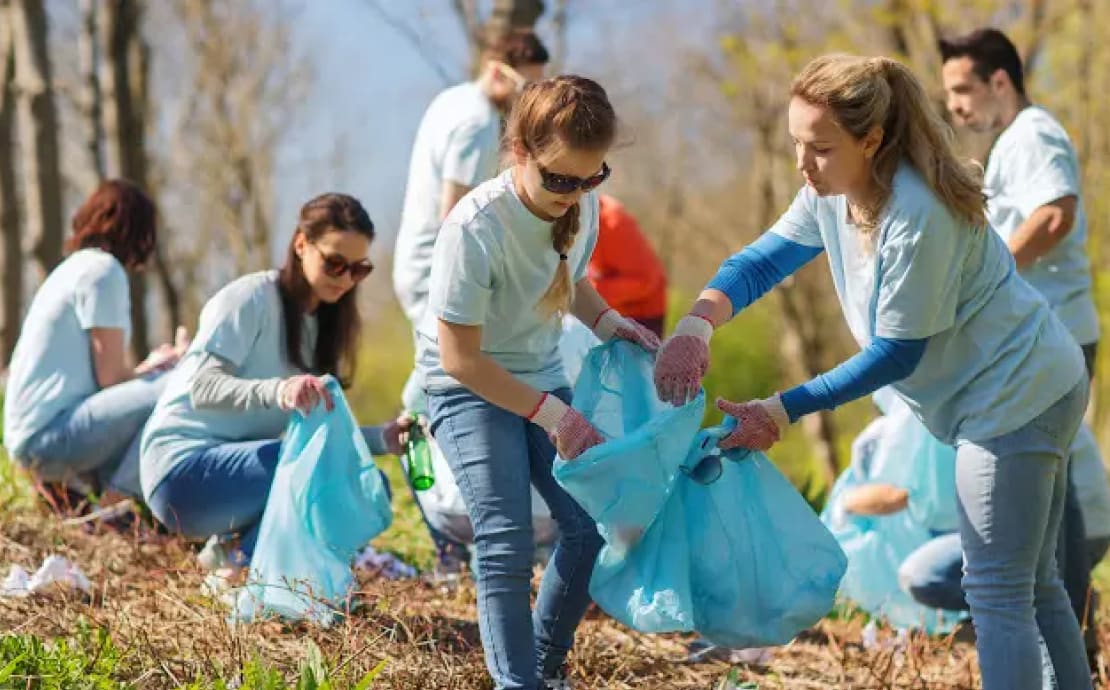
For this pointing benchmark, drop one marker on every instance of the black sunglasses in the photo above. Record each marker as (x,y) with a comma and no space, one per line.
(568,184)
(335,266)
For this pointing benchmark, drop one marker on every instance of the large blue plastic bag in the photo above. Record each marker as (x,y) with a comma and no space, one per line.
(742,560)
(327,500)
(909,456)
(877,545)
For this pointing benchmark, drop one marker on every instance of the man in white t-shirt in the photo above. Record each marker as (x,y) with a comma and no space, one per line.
(456,148)
(1035,202)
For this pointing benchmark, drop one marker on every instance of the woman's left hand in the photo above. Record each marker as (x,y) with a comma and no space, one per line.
(395,434)
(612,325)
(759,423)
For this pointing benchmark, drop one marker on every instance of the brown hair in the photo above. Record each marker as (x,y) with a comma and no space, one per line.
(117,218)
(563,112)
(868,92)
(339,323)
(516,48)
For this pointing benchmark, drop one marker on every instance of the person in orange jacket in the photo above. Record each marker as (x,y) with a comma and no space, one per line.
(625,270)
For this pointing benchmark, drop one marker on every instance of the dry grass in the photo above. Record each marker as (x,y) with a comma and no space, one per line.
(147,597)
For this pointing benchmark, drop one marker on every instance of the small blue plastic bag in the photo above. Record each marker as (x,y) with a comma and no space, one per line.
(327,500)
(696,539)
(877,545)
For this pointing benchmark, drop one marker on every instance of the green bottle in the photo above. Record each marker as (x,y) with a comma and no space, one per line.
(419,458)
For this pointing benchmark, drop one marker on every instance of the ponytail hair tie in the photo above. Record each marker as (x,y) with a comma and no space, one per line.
(562,257)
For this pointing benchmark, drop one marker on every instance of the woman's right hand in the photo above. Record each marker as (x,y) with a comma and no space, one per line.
(569,430)
(683,361)
(302,393)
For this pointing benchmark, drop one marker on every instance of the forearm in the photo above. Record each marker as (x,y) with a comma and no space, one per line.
(490,381)
(881,363)
(588,305)
(1039,234)
(215,387)
(876,499)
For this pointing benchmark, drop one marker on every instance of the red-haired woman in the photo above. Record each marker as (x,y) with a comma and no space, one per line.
(74,406)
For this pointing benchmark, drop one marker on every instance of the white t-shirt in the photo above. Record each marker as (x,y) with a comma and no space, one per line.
(52,368)
(457,142)
(493,263)
(1032,164)
(996,355)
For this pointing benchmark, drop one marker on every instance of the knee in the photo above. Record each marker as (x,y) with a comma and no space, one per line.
(505,551)
(1010,591)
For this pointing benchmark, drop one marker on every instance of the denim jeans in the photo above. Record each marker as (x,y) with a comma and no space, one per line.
(494,456)
(1011,502)
(100,434)
(220,490)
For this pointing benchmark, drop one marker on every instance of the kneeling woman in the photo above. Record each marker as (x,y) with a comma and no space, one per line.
(74,406)
(211,447)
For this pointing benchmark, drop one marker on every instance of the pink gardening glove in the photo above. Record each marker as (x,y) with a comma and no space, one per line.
(611,324)
(683,361)
(569,430)
(759,423)
(302,393)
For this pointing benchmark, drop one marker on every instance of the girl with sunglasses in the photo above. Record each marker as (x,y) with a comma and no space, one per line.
(509,261)
(934,299)
(263,343)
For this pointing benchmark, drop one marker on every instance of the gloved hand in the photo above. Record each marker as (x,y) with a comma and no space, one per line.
(759,423)
(683,361)
(612,325)
(569,430)
(302,392)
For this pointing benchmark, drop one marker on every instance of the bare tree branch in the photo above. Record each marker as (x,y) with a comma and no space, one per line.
(415,38)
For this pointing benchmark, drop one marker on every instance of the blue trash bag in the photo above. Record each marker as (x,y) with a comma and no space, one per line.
(327,500)
(877,545)
(696,539)
(909,456)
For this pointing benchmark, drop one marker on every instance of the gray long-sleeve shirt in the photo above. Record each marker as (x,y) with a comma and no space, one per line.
(216,387)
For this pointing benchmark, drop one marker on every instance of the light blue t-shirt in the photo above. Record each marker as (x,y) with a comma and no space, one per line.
(242,324)
(996,355)
(493,262)
(1033,163)
(457,141)
(52,368)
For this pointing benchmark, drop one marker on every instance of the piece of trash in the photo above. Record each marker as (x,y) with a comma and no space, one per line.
(15,584)
(871,638)
(754,656)
(384,564)
(54,570)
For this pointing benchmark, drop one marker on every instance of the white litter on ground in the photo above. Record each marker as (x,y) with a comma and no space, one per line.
(54,570)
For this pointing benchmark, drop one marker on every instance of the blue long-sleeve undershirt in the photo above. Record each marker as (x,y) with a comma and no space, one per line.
(754,271)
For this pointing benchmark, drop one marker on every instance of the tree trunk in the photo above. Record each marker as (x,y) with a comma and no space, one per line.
(11,246)
(124,132)
(38,124)
(88,55)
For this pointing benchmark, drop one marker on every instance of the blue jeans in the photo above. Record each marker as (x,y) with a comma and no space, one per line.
(100,434)
(1011,493)
(219,490)
(494,455)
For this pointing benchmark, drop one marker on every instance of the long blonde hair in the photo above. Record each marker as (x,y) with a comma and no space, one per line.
(865,92)
(573,113)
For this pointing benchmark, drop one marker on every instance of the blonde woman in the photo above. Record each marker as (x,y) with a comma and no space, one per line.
(933,298)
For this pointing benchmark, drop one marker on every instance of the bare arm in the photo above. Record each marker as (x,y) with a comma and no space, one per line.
(109,354)
(588,304)
(713,305)
(876,499)
(460,351)
(1045,228)
(449,196)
